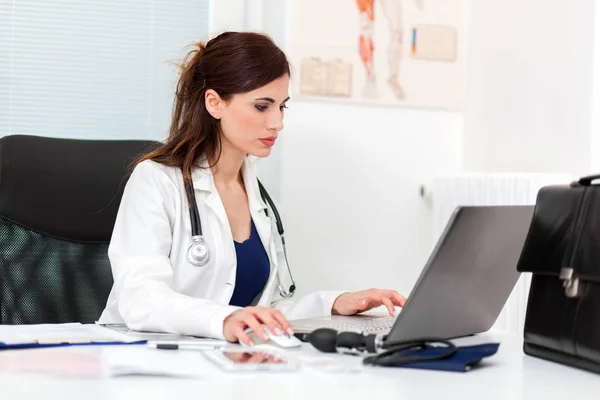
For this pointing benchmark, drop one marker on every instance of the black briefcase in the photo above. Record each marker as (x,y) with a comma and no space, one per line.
(562,251)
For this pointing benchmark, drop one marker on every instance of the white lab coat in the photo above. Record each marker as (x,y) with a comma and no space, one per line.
(156,288)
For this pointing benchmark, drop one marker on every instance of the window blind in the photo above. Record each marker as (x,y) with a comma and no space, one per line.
(93,68)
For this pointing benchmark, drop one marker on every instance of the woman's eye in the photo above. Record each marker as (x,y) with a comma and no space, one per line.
(283,106)
(260,108)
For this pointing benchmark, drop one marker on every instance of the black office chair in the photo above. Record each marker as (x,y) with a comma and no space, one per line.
(58,203)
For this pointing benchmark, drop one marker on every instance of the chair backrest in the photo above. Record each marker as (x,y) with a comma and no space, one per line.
(58,203)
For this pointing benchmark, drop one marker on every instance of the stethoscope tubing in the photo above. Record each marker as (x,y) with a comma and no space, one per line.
(198,253)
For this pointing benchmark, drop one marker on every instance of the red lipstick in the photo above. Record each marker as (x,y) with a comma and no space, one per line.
(268,141)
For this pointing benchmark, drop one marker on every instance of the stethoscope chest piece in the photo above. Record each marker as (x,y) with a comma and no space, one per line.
(198,253)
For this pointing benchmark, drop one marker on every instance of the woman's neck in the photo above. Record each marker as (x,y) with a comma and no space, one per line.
(227,170)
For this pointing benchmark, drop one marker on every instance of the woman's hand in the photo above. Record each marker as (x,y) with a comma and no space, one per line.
(235,324)
(357,302)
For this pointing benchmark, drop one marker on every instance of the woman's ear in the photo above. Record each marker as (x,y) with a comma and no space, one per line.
(213,103)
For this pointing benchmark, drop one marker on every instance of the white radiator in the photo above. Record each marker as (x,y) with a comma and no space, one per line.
(450,191)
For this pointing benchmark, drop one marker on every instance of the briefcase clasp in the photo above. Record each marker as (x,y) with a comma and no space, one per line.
(570,284)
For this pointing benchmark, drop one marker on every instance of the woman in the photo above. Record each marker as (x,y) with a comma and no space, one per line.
(228,110)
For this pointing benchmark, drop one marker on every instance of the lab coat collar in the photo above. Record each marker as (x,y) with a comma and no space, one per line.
(255,201)
(203,177)
(203,180)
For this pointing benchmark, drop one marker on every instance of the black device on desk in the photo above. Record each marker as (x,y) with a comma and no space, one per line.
(433,354)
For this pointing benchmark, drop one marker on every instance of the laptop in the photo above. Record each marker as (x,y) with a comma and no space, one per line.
(464,285)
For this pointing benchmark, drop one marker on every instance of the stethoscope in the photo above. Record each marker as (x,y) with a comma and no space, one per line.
(198,253)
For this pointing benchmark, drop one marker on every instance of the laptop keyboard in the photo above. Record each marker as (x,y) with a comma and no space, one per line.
(367,325)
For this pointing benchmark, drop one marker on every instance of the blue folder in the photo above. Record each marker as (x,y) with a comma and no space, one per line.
(465,358)
(4,346)
(55,335)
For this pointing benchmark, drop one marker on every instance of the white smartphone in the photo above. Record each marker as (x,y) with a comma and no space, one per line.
(233,359)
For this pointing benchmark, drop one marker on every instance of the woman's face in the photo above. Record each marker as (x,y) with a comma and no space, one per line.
(250,122)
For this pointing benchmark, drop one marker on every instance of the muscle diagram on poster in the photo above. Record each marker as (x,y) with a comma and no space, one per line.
(385,52)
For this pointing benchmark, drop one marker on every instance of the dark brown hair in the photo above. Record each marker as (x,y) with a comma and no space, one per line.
(231,63)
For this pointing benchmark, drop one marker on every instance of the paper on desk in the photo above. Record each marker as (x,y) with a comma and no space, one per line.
(63,362)
(105,362)
(161,337)
(141,360)
(48,333)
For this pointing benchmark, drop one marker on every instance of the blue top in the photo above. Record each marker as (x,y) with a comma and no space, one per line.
(253,269)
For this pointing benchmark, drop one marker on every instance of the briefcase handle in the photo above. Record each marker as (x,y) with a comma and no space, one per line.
(587,180)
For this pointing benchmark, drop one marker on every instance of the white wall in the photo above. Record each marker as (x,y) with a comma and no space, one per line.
(227,15)
(529,88)
(350,178)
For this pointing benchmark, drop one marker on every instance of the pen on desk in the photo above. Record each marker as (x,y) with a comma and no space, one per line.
(175,346)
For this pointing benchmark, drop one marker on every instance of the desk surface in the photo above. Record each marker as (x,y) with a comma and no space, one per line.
(507,375)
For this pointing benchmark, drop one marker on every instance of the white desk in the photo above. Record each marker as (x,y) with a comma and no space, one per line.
(507,375)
